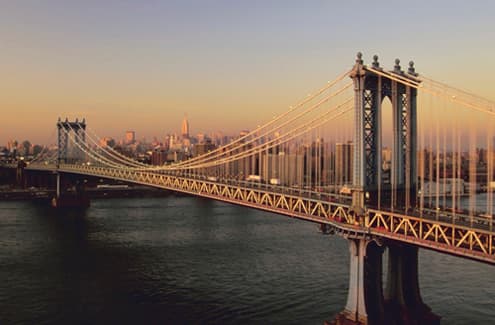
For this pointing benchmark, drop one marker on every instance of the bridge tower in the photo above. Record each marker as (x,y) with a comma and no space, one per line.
(64,130)
(368,302)
(77,197)
(370,90)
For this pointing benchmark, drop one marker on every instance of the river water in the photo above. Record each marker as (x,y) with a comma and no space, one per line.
(185,260)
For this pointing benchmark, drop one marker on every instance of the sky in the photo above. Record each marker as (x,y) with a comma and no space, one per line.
(228,65)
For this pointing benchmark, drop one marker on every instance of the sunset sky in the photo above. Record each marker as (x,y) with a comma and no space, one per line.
(230,65)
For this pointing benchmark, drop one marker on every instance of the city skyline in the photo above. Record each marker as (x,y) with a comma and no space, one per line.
(229,66)
(129,136)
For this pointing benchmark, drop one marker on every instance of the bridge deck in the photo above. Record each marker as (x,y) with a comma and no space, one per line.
(454,234)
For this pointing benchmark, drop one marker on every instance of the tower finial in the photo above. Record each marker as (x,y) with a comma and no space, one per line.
(411,69)
(397,66)
(359,58)
(375,63)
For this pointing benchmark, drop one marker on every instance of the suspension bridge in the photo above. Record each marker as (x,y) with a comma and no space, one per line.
(385,158)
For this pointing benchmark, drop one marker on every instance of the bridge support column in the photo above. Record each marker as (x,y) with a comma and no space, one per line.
(20,175)
(355,308)
(74,197)
(57,193)
(403,302)
(367,304)
(365,298)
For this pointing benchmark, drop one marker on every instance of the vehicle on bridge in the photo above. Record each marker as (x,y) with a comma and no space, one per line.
(254,178)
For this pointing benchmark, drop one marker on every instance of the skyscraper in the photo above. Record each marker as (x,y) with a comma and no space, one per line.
(185,128)
(130,137)
(343,162)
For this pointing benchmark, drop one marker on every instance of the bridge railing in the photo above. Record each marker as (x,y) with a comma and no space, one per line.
(473,242)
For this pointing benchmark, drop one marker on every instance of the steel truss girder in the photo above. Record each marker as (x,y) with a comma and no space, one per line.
(451,238)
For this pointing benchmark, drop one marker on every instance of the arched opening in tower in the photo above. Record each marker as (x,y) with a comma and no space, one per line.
(386,140)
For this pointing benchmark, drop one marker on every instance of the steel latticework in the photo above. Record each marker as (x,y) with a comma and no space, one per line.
(472,238)
(370,90)
(64,129)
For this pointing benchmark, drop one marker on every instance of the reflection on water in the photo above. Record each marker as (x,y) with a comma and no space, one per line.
(187,260)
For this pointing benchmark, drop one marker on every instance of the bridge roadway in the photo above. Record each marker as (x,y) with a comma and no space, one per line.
(455,234)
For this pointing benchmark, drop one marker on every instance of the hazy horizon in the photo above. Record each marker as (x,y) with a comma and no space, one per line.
(227,65)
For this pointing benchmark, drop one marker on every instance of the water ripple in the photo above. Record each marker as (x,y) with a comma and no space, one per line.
(181,260)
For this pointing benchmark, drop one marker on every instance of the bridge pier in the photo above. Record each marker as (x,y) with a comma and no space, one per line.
(355,308)
(365,285)
(69,195)
(20,175)
(403,302)
(400,304)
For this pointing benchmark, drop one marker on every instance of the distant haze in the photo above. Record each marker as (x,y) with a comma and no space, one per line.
(229,65)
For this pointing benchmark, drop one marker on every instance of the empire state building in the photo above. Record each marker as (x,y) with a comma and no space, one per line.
(185,128)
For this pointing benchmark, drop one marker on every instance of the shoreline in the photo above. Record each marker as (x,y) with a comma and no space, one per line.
(93,193)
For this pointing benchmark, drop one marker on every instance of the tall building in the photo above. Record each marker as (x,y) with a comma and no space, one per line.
(343,162)
(159,157)
(12,145)
(185,128)
(203,147)
(201,137)
(107,142)
(386,158)
(130,137)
